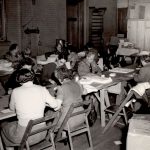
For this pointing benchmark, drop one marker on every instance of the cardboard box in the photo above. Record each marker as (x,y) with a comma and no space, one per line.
(138,137)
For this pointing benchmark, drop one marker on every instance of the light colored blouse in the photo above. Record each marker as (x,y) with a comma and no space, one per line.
(29,102)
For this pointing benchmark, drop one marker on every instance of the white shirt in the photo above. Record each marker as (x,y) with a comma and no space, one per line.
(30,100)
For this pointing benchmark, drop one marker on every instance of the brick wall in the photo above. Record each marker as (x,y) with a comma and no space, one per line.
(48,15)
(13,28)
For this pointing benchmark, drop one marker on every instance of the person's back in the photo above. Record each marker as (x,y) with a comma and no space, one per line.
(29,102)
(70,92)
(49,73)
(143,75)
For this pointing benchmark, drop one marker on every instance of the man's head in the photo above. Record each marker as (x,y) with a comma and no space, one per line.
(27,52)
(24,75)
(27,63)
(13,49)
(145,60)
(90,57)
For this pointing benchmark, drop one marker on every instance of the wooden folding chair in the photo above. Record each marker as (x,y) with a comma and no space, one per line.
(83,128)
(32,130)
(119,110)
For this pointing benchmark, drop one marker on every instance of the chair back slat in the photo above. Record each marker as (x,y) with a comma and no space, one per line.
(47,127)
(43,119)
(79,112)
(32,123)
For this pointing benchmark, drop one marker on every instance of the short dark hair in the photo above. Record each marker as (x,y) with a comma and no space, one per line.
(90,53)
(26,61)
(24,75)
(13,46)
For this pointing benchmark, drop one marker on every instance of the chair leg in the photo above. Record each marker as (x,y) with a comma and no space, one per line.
(70,138)
(89,135)
(52,140)
(27,145)
(125,116)
(116,120)
(107,102)
(1,144)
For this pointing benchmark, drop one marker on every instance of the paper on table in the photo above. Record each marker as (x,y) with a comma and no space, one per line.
(121,70)
(88,89)
(89,79)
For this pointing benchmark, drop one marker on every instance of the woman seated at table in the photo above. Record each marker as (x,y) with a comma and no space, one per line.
(13,55)
(26,54)
(28,101)
(70,92)
(88,65)
(60,50)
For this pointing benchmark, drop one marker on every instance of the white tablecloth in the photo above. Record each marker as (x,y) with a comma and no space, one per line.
(127,51)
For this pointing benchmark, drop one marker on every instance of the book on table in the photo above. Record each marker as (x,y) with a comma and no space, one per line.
(121,70)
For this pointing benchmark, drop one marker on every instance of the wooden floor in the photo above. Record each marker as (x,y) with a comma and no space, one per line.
(109,141)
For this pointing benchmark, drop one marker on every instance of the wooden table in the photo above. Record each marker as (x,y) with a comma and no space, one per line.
(124,52)
(102,94)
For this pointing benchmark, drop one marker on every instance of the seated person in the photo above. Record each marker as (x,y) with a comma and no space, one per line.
(60,50)
(27,55)
(143,75)
(88,65)
(139,79)
(73,59)
(12,83)
(110,58)
(144,72)
(48,72)
(62,73)
(89,47)
(70,92)
(13,55)
(28,101)
(55,72)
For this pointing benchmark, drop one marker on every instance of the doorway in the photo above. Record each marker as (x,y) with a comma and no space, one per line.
(122,21)
(75,23)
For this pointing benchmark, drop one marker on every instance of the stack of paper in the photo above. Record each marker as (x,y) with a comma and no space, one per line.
(95,79)
(6,65)
(121,70)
